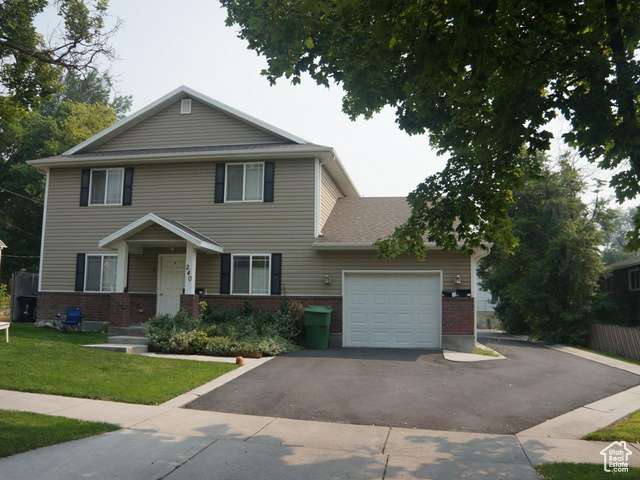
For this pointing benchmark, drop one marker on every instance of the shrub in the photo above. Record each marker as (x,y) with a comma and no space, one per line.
(228,332)
(5,299)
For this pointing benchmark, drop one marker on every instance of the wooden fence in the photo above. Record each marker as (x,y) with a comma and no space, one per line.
(615,340)
(22,283)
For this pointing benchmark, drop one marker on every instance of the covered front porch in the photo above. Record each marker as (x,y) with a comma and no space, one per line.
(161,257)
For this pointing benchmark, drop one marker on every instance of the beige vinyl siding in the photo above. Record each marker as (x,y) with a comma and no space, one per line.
(329,194)
(185,192)
(182,192)
(334,263)
(205,126)
(155,232)
(143,270)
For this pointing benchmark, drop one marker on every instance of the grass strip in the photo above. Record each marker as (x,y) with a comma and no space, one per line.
(48,361)
(485,351)
(627,429)
(24,431)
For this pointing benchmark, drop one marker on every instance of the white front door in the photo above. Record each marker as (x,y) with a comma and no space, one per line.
(170,283)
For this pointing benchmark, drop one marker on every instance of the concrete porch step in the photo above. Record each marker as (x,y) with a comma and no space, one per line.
(128,340)
(133,331)
(119,347)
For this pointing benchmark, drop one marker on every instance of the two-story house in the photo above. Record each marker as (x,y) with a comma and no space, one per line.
(190,200)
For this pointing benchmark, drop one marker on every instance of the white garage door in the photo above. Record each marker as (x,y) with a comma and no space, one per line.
(392,310)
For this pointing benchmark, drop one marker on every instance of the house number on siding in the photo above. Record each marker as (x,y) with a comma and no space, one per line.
(188,268)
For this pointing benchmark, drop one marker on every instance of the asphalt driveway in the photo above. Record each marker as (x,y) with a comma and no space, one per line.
(420,389)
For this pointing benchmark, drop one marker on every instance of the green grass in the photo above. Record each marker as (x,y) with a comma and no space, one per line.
(486,352)
(47,361)
(582,471)
(617,357)
(627,429)
(23,431)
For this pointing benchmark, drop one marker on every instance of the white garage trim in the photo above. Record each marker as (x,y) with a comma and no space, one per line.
(437,276)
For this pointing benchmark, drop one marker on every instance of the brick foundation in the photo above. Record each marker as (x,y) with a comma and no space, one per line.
(96,307)
(458,315)
(190,303)
(147,302)
(123,309)
(235,302)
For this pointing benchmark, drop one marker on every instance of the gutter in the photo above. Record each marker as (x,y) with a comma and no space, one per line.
(321,152)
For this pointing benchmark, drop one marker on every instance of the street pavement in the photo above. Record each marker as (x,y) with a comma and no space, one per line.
(173,443)
(407,388)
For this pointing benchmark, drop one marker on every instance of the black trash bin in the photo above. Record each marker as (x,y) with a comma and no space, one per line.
(28,305)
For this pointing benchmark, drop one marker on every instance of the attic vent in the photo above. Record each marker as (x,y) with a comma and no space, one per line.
(185,106)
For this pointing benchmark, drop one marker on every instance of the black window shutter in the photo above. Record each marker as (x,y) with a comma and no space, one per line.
(84,187)
(276,273)
(80,272)
(269,168)
(219,195)
(127,191)
(225,274)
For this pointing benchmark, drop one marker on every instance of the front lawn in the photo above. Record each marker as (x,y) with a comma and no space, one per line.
(24,431)
(627,429)
(48,361)
(582,471)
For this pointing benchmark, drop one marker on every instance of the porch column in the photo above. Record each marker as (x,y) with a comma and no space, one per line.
(190,270)
(122,267)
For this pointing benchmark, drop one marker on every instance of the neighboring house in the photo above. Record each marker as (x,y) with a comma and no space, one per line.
(190,200)
(623,283)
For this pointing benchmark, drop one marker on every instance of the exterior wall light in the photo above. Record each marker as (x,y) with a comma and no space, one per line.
(327,279)
(457,280)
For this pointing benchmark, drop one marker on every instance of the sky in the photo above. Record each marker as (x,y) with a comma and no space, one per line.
(166,43)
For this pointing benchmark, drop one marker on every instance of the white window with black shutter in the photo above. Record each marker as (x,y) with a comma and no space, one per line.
(106,186)
(244,182)
(251,274)
(96,273)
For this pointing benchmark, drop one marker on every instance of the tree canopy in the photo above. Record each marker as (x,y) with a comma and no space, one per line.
(79,111)
(482,78)
(548,285)
(31,65)
(616,239)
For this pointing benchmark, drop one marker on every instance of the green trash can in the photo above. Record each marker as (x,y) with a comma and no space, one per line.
(316,326)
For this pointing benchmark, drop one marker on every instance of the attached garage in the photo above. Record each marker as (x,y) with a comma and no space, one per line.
(392,309)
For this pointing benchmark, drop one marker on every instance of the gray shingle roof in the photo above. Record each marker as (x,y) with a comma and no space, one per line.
(629,262)
(190,231)
(364,219)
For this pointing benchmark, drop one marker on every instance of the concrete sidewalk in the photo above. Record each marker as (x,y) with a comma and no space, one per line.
(167,442)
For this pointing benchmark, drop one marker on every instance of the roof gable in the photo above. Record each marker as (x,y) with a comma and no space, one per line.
(178,229)
(161,125)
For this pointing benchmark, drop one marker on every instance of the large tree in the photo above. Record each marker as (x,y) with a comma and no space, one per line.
(547,285)
(483,78)
(31,65)
(81,110)
(616,238)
